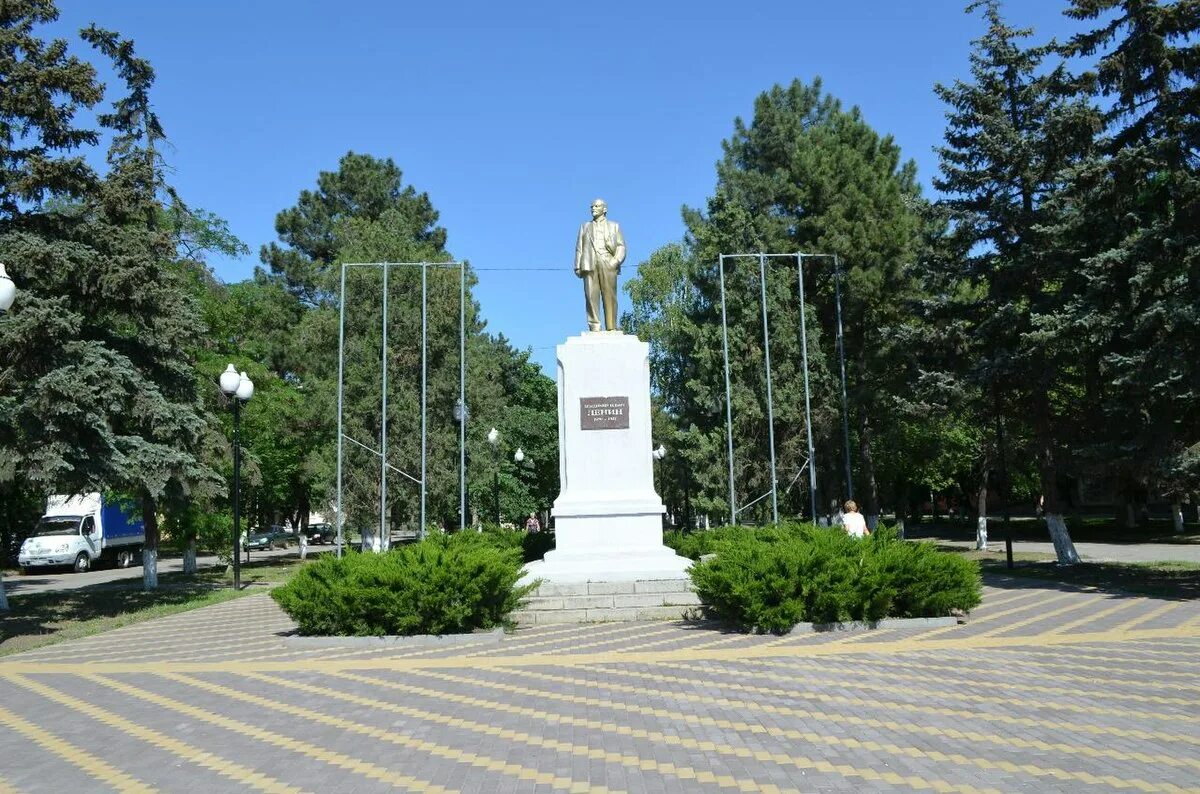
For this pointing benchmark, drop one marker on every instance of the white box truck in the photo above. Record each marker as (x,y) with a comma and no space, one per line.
(81,531)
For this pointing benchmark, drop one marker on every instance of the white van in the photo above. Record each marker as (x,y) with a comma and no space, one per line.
(80,531)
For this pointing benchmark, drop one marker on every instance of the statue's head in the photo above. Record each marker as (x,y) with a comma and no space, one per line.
(599,209)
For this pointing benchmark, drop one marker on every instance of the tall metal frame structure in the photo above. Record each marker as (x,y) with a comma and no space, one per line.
(461,410)
(811,463)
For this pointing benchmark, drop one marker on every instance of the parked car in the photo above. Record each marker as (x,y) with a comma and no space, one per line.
(275,537)
(321,533)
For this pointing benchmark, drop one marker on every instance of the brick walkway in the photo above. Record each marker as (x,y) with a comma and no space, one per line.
(1043,690)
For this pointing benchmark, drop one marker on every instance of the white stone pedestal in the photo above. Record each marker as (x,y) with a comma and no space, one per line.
(608,518)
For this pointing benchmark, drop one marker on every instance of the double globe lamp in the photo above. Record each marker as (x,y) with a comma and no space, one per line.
(238,387)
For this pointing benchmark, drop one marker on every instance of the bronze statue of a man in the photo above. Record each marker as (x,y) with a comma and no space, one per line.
(599,254)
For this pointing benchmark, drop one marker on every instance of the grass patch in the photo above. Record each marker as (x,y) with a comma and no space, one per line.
(1164,579)
(35,620)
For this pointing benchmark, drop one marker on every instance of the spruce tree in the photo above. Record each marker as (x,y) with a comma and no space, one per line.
(98,389)
(1133,213)
(1009,135)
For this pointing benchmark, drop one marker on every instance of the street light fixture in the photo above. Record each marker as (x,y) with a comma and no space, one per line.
(493,438)
(658,453)
(519,455)
(8,294)
(8,290)
(238,387)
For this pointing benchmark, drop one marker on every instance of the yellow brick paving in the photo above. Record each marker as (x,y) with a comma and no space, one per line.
(341,760)
(744,705)
(633,761)
(807,737)
(456,754)
(236,772)
(750,713)
(948,674)
(611,727)
(76,756)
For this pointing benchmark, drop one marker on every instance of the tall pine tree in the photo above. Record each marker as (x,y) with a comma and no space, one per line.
(1009,135)
(1133,212)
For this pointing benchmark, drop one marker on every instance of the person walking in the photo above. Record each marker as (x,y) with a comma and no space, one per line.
(856,525)
(532,524)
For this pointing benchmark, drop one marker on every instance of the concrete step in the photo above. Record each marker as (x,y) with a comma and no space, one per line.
(604,615)
(616,601)
(548,589)
(588,602)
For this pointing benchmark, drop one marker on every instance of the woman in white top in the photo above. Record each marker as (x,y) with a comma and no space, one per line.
(856,525)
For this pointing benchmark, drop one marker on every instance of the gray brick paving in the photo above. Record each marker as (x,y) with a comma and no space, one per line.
(872,705)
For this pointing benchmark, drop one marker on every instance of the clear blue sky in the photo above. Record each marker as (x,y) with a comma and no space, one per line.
(514,116)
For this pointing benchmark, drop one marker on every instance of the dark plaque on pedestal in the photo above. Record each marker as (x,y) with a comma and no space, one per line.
(603,413)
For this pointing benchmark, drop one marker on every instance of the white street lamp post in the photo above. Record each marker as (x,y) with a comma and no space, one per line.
(493,438)
(8,294)
(239,388)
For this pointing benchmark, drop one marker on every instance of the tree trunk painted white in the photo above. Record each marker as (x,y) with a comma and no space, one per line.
(1177,516)
(303,546)
(981,533)
(900,528)
(189,557)
(150,569)
(1064,547)
(3,597)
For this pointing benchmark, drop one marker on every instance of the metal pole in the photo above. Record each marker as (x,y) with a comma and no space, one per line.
(237,496)
(812,467)
(424,335)
(762,283)
(1000,451)
(728,398)
(496,482)
(462,396)
(341,371)
(380,543)
(837,273)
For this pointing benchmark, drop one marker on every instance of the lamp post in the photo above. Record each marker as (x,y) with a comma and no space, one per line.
(658,454)
(8,294)
(461,414)
(493,438)
(239,389)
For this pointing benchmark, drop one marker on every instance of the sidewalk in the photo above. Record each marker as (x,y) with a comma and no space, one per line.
(1098,552)
(1045,688)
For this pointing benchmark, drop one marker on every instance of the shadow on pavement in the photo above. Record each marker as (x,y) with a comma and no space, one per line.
(1158,580)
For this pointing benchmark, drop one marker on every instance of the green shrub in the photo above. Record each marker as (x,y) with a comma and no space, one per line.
(446,584)
(773,578)
(531,545)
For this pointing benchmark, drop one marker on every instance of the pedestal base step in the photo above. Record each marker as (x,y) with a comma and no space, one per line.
(596,602)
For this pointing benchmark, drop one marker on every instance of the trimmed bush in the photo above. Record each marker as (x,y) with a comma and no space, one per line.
(770,579)
(446,584)
(531,545)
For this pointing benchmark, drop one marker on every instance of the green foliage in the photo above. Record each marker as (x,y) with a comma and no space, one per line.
(804,174)
(531,545)
(100,346)
(772,579)
(446,584)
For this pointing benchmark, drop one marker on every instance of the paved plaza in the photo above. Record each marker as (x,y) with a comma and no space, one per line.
(1043,690)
